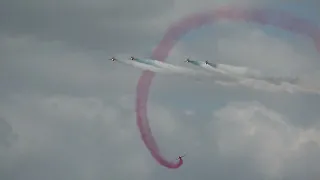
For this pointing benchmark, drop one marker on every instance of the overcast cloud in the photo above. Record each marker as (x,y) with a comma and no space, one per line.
(66,112)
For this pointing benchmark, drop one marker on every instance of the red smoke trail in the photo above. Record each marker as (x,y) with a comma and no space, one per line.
(177,30)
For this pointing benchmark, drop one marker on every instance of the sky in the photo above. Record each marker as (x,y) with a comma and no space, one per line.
(66,112)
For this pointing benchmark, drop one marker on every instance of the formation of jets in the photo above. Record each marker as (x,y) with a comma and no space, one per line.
(215,65)
(115,59)
(187,60)
(206,62)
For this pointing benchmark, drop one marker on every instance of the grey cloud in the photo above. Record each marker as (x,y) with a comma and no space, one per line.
(304,165)
(53,67)
(267,137)
(74,111)
(8,138)
(107,25)
(74,138)
(7,135)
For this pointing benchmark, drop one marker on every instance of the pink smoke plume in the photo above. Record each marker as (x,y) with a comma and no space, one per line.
(177,30)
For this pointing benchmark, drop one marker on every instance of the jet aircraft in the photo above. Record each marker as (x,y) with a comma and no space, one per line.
(187,60)
(197,63)
(192,61)
(144,61)
(113,59)
(211,64)
(133,58)
(180,157)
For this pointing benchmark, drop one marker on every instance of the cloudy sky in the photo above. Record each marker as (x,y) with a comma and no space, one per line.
(66,112)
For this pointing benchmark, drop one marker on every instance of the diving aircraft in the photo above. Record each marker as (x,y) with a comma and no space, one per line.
(180,157)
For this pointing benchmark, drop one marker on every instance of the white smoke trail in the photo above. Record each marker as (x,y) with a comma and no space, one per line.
(212,76)
(223,78)
(237,70)
(233,76)
(266,86)
(246,72)
(144,66)
(169,69)
(257,80)
(212,69)
(178,69)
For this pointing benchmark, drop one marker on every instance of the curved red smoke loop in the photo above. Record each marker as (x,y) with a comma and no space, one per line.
(278,19)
